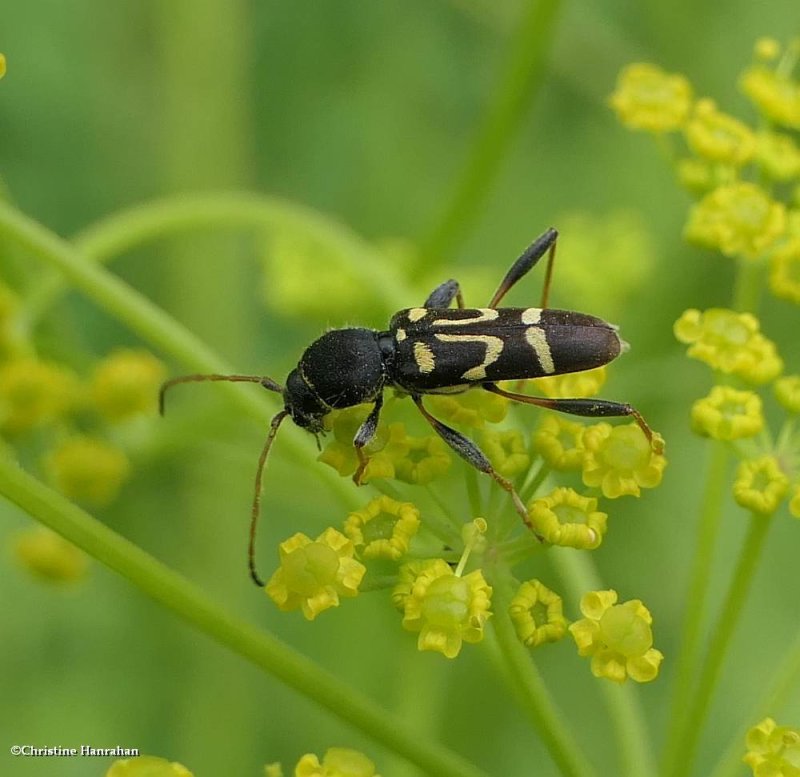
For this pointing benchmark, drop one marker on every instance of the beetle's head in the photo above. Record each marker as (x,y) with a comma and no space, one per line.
(302,403)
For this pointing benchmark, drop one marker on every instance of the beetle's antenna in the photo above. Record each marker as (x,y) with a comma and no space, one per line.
(266,382)
(262,460)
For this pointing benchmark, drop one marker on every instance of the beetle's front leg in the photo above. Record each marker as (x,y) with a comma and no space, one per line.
(444,294)
(588,408)
(473,455)
(364,436)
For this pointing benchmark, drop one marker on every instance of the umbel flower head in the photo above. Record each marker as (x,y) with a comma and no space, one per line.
(760,485)
(620,460)
(773,750)
(647,98)
(537,614)
(739,219)
(383,529)
(717,137)
(446,609)
(728,414)
(729,342)
(618,637)
(337,762)
(771,89)
(314,573)
(147,766)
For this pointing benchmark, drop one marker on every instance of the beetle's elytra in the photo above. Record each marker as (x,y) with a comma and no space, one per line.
(438,349)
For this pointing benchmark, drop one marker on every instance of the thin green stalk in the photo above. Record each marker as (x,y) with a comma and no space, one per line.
(158,329)
(781,691)
(518,84)
(732,609)
(633,739)
(536,700)
(128,229)
(748,286)
(688,656)
(261,649)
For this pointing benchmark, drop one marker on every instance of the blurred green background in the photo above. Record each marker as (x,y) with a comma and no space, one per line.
(365,111)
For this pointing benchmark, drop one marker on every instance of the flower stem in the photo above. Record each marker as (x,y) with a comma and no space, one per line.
(732,609)
(261,649)
(527,682)
(579,574)
(686,664)
(515,90)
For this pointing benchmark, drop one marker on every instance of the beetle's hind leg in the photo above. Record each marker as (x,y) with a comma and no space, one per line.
(473,455)
(589,408)
(544,244)
(444,294)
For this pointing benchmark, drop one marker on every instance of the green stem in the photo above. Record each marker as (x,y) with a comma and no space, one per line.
(782,691)
(579,574)
(732,609)
(261,649)
(517,86)
(527,682)
(748,286)
(688,657)
(158,329)
(131,228)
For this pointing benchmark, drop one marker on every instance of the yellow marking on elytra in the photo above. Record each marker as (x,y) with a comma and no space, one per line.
(400,335)
(537,340)
(484,314)
(415,314)
(494,347)
(531,316)
(423,356)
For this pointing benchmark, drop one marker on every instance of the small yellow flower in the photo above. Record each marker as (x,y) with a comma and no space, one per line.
(147,766)
(767,49)
(729,342)
(760,485)
(618,637)
(537,614)
(560,442)
(33,393)
(470,408)
(715,136)
(49,556)
(794,502)
(647,98)
(273,770)
(739,219)
(88,470)
(787,390)
(776,95)
(421,460)
(445,609)
(773,750)
(574,384)
(696,175)
(383,529)
(337,762)
(314,574)
(506,451)
(728,414)
(784,276)
(620,460)
(126,384)
(564,517)
(778,155)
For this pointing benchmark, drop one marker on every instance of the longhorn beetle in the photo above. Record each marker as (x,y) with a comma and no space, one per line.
(435,349)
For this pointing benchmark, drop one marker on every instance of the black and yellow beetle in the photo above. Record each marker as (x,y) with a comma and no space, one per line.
(436,349)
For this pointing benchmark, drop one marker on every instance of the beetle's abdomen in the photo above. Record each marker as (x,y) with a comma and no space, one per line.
(438,348)
(344,367)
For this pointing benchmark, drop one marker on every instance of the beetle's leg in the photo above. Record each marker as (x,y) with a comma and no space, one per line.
(545,243)
(473,455)
(443,295)
(590,408)
(363,436)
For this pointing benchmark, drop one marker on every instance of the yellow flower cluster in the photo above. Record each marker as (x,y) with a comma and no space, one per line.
(147,766)
(773,750)
(337,762)
(647,98)
(617,637)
